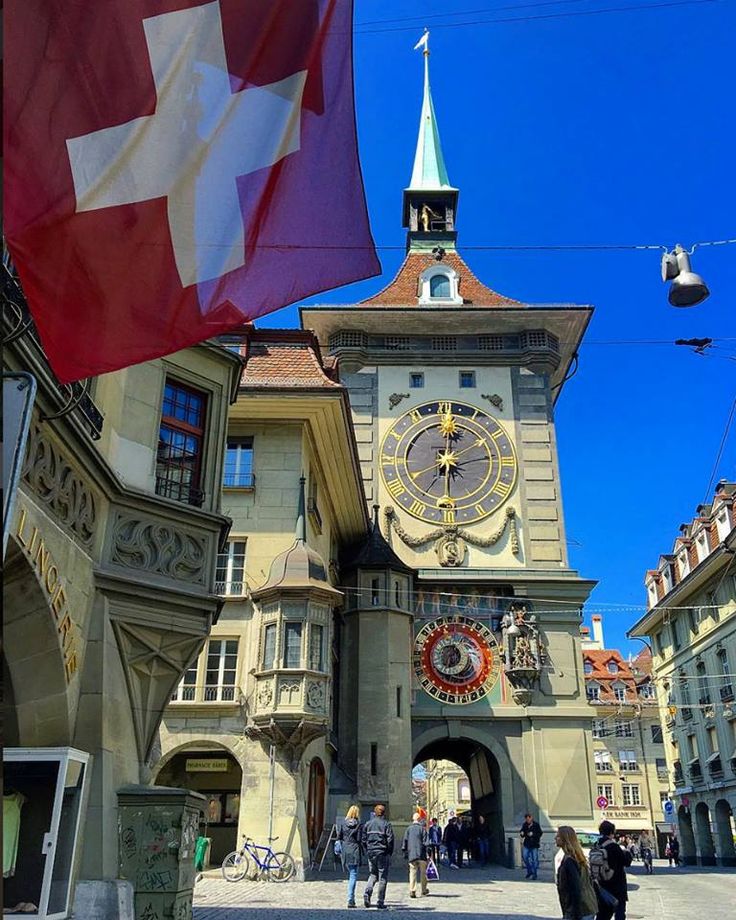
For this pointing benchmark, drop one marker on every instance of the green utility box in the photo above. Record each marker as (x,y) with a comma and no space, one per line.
(158,830)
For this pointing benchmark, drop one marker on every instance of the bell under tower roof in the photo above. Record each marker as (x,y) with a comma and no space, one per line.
(430,201)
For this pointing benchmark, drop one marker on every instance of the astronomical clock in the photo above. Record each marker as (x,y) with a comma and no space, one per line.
(446,462)
(456,659)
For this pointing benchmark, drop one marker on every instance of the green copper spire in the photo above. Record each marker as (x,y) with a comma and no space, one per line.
(430,172)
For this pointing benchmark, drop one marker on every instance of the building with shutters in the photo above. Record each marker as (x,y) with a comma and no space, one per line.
(691,624)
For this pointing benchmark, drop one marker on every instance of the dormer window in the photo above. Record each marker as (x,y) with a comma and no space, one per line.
(588,667)
(439,284)
(593,692)
(612,667)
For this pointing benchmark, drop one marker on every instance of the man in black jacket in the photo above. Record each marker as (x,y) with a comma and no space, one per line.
(378,837)
(530,834)
(618,860)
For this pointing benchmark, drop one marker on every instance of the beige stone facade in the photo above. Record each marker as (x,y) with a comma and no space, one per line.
(448,790)
(108,594)
(691,623)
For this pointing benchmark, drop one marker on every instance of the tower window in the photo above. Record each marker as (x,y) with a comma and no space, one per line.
(416,381)
(439,286)
(467,380)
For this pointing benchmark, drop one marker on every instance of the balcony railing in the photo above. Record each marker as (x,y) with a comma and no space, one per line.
(629,766)
(727,693)
(604,767)
(687,714)
(230,588)
(207,693)
(179,491)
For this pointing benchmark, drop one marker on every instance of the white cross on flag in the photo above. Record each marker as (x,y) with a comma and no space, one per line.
(175,169)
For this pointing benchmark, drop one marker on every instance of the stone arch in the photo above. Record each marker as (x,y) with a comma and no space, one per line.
(687,838)
(725,833)
(706,847)
(38,704)
(195,744)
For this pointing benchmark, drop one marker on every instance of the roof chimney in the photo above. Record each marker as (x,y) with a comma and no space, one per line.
(597,621)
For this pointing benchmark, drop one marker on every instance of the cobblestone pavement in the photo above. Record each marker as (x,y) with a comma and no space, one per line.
(669,894)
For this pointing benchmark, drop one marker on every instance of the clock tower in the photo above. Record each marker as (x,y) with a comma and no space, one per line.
(453,389)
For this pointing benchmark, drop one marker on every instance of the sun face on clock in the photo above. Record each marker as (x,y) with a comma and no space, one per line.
(447,462)
(456,659)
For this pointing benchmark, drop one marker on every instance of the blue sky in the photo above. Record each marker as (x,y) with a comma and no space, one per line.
(583,129)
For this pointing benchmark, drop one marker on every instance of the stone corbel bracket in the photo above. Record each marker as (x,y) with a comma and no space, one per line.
(391,523)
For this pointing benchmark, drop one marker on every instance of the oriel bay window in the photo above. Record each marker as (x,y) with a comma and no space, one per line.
(230,571)
(221,670)
(316,648)
(181,444)
(269,646)
(293,644)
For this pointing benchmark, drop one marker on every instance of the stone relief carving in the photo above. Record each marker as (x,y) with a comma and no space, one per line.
(523,650)
(52,478)
(315,696)
(265,695)
(287,689)
(395,398)
(159,548)
(451,539)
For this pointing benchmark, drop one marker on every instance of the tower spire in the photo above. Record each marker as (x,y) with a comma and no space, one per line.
(430,172)
(430,201)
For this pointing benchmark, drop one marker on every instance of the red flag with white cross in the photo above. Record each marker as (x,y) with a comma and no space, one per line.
(176,168)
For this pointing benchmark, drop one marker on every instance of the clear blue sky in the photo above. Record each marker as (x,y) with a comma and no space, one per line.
(586,129)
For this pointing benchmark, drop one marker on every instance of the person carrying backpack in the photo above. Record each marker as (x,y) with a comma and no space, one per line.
(575,890)
(608,862)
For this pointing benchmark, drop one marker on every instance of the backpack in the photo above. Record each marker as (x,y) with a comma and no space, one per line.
(600,869)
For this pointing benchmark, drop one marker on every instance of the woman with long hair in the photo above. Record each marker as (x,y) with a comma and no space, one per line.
(575,890)
(350,835)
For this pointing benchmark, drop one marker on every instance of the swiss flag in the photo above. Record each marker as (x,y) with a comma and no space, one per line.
(175,168)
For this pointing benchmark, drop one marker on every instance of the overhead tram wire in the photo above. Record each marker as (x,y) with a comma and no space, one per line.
(545,16)
(423,18)
(721,447)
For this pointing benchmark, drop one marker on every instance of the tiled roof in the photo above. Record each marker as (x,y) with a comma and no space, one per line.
(404,289)
(285,359)
(600,658)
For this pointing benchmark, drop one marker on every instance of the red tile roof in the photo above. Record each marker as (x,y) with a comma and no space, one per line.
(404,289)
(285,358)
(600,659)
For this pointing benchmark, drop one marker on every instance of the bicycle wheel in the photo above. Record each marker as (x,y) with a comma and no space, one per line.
(235,866)
(280,867)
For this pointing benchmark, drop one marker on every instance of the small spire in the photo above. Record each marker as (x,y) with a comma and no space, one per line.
(301,517)
(430,172)
(376,509)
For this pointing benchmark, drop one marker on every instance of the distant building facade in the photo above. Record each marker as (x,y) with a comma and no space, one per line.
(631,780)
(448,790)
(691,623)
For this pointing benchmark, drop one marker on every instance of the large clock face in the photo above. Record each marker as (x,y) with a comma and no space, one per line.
(456,659)
(448,463)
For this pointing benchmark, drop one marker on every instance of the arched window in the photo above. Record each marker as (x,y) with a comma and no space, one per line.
(439,286)
(463,790)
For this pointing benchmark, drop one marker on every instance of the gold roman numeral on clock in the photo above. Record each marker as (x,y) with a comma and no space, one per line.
(444,407)
(448,516)
(502,489)
(508,461)
(416,415)
(480,509)
(395,488)
(417,508)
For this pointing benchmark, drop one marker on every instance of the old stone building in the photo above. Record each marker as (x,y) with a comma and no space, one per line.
(412,599)
(628,750)
(448,790)
(108,594)
(691,622)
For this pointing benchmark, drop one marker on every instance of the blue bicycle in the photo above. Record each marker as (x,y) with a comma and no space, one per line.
(276,867)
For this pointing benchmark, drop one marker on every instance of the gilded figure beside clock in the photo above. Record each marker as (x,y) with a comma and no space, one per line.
(447,462)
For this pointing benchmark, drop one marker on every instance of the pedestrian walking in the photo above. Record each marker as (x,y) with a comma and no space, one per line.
(414,848)
(575,890)
(434,833)
(673,850)
(608,862)
(451,840)
(350,838)
(483,840)
(531,834)
(646,849)
(463,842)
(379,845)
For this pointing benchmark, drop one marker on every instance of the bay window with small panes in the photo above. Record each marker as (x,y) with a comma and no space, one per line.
(181,443)
(230,570)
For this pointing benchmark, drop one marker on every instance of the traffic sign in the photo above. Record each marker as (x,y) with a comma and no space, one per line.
(601,801)
(668,807)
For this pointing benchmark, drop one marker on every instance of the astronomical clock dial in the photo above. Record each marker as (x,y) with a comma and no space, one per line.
(456,659)
(446,462)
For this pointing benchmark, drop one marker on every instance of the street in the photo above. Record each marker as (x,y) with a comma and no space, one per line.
(670,894)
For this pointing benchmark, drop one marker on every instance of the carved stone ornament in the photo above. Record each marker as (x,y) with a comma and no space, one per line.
(450,550)
(494,399)
(523,651)
(265,695)
(153,661)
(452,533)
(159,548)
(287,690)
(395,398)
(53,479)
(315,696)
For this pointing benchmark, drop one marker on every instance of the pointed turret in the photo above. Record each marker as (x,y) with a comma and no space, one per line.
(430,201)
